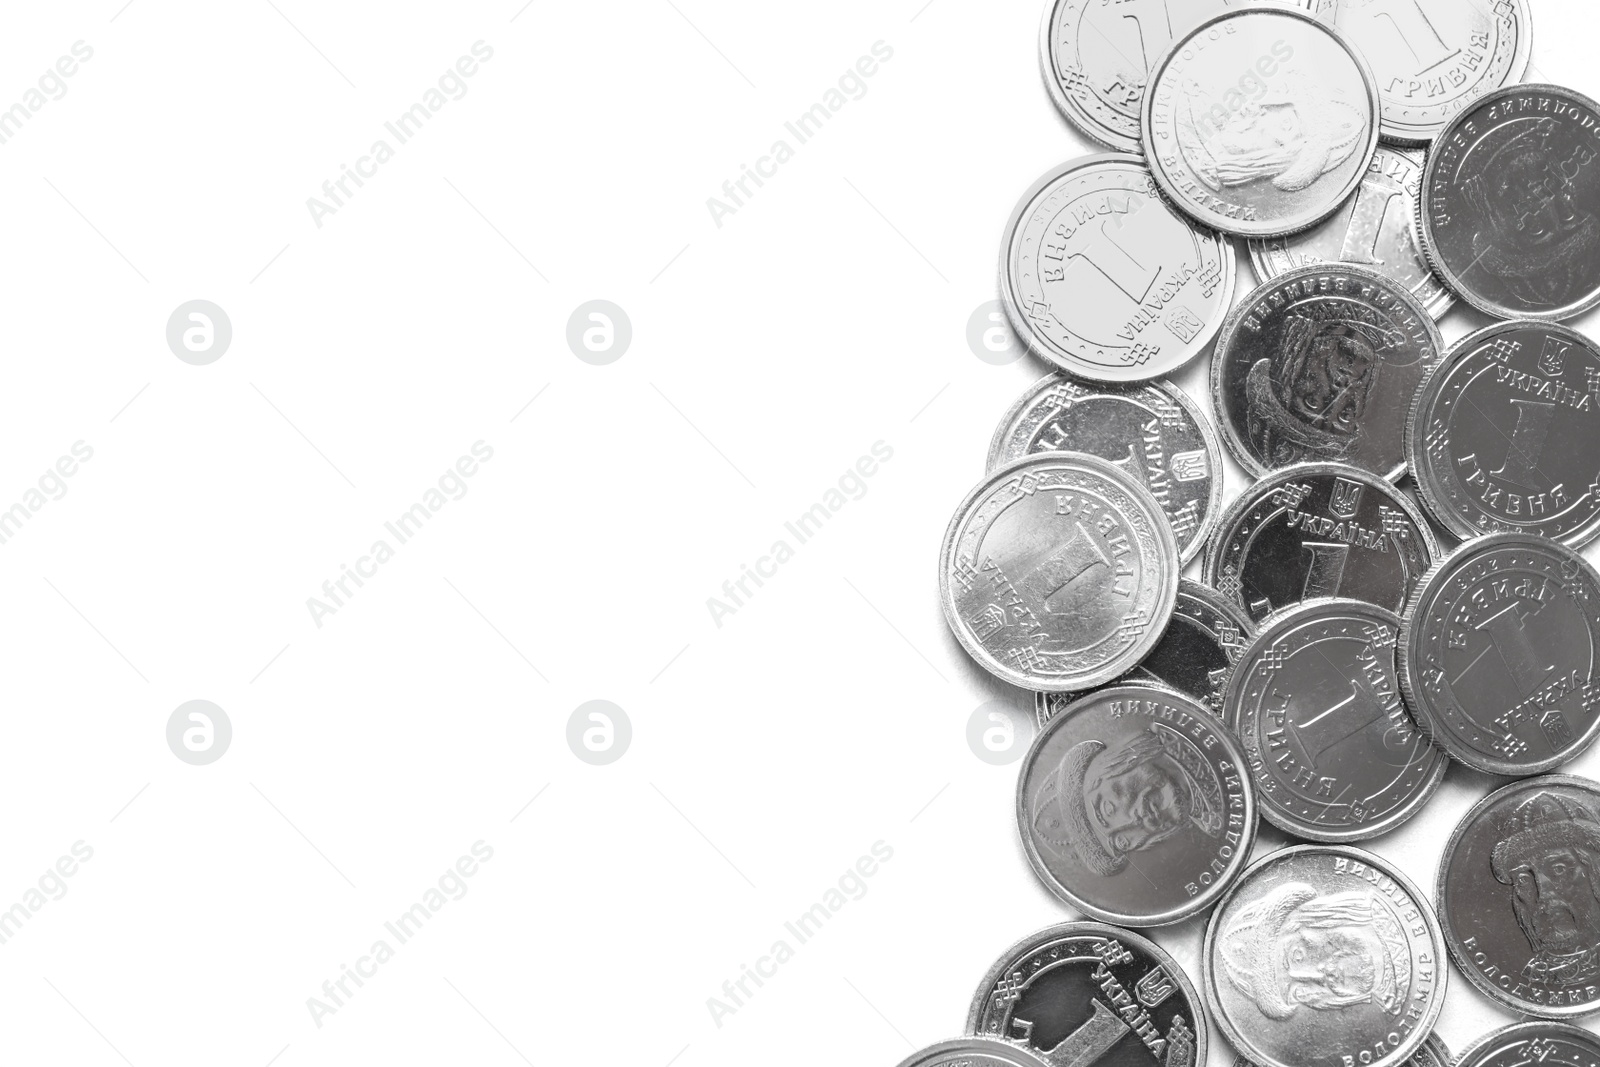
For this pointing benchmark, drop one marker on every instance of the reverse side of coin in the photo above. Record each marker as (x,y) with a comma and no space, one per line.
(1324,956)
(1103,279)
(1260,122)
(1152,431)
(1497,654)
(1058,572)
(1434,57)
(1533,1042)
(973,1052)
(1135,806)
(1519,896)
(1316,706)
(1376,228)
(1319,530)
(1505,436)
(1085,992)
(1510,213)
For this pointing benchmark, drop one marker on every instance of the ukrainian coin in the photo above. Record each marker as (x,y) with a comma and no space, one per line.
(1324,956)
(1518,1045)
(973,1052)
(1321,364)
(1085,992)
(1434,57)
(1506,434)
(1511,203)
(1319,530)
(1519,896)
(1104,280)
(1059,572)
(1375,228)
(1497,654)
(1433,1053)
(1260,121)
(1135,806)
(1316,707)
(1152,431)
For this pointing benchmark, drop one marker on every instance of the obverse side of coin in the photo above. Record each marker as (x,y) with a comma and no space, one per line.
(1321,365)
(1433,1053)
(1434,57)
(1102,278)
(1316,706)
(1322,956)
(1135,806)
(1086,991)
(1497,654)
(1510,213)
(1058,572)
(973,1052)
(1519,896)
(1533,1042)
(1375,228)
(1319,530)
(1260,122)
(1506,435)
(1153,431)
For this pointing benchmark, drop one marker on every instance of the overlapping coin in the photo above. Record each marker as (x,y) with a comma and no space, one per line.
(973,1052)
(1433,1053)
(1527,1043)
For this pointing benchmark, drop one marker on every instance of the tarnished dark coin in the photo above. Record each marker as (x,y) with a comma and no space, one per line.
(1497,654)
(1316,706)
(1086,993)
(1103,279)
(1135,807)
(1506,434)
(1319,530)
(973,1052)
(1375,228)
(1510,214)
(1321,364)
(1324,956)
(1153,431)
(1433,1053)
(1522,1044)
(1519,896)
(1058,572)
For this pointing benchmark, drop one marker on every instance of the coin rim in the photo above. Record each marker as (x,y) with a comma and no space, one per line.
(1070,109)
(979,1046)
(1544,1026)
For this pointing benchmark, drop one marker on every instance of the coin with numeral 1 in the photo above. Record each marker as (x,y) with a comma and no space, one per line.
(1497,654)
(1506,434)
(1319,530)
(1556,1044)
(973,1052)
(1085,993)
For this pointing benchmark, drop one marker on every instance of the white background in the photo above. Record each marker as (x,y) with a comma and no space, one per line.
(827,714)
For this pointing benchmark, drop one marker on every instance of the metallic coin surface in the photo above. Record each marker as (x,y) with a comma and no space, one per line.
(1510,213)
(1103,279)
(1319,530)
(1135,806)
(1375,228)
(1316,706)
(973,1052)
(1434,57)
(1058,572)
(1506,434)
(1497,654)
(1519,896)
(1322,364)
(1152,431)
(1085,992)
(1433,1053)
(1260,121)
(1324,956)
(1558,1044)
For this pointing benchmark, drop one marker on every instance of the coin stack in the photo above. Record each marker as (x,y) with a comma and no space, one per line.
(1400,586)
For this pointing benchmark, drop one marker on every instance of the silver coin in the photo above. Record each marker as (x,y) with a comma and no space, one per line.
(1497,654)
(1085,993)
(1521,1044)
(1058,572)
(1519,896)
(973,1052)
(1260,122)
(1103,279)
(1319,530)
(1135,806)
(1152,431)
(1321,364)
(1375,228)
(1316,707)
(1503,435)
(1434,57)
(1510,216)
(1324,956)
(1433,1053)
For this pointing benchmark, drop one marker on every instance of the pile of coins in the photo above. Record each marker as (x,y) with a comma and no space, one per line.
(1348,641)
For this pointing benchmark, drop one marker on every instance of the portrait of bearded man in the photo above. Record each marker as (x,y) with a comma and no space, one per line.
(1306,403)
(1549,854)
